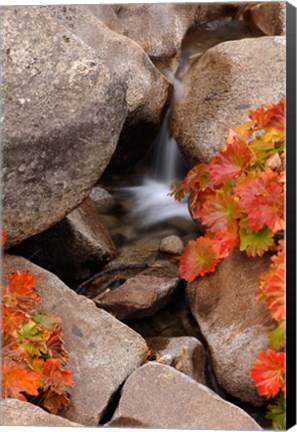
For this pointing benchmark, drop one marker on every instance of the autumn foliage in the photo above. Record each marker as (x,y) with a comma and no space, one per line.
(33,353)
(239,198)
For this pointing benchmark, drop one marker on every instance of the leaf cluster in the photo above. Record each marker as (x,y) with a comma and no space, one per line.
(33,352)
(239,195)
(269,371)
(239,198)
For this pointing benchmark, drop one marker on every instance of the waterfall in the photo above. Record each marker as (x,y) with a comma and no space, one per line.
(152,204)
(151,201)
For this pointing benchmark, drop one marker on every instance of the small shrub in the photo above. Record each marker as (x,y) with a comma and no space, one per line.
(33,353)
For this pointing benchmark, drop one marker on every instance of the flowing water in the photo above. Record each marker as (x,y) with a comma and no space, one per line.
(151,202)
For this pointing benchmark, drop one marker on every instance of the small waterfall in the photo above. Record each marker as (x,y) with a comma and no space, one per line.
(152,204)
(151,201)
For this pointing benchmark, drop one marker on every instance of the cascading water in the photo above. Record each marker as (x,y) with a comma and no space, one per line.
(151,202)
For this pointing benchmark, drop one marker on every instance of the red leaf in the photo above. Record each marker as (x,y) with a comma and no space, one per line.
(3,238)
(263,201)
(260,118)
(12,319)
(54,402)
(268,373)
(54,377)
(230,161)
(226,241)
(272,287)
(198,199)
(55,346)
(197,175)
(21,290)
(16,380)
(219,211)
(199,258)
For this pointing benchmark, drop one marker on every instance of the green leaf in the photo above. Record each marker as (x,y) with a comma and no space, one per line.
(256,243)
(30,331)
(45,321)
(34,350)
(276,413)
(277,338)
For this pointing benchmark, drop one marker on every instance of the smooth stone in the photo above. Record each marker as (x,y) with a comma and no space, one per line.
(103,200)
(138,297)
(218,91)
(165,25)
(63,109)
(158,396)
(147,89)
(268,17)
(234,324)
(19,413)
(172,245)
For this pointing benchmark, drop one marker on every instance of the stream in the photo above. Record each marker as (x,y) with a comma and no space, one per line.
(147,189)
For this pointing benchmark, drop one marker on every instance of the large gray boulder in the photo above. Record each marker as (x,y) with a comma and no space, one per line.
(147,88)
(158,396)
(19,413)
(165,24)
(63,109)
(234,324)
(103,352)
(220,88)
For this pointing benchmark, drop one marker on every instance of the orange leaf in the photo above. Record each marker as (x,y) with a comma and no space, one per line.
(55,346)
(219,211)
(263,201)
(268,373)
(260,118)
(53,402)
(21,288)
(198,175)
(3,238)
(12,319)
(230,161)
(199,258)
(272,287)
(16,380)
(54,377)
(225,241)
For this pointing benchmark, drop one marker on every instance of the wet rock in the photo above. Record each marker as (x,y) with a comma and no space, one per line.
(104,202)
(234,324)
(158,396)
(147,88)
(140,296)
(18,413)
(103,352)
(222,85)
(69,247)
(172,245)
(165,25)
(63,109)
(185,354)
(268,17)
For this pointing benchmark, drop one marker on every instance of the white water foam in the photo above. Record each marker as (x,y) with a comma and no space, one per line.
(152,204)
